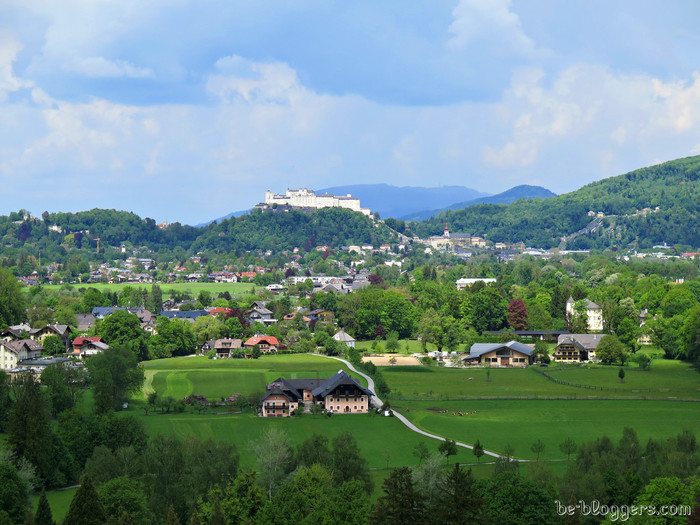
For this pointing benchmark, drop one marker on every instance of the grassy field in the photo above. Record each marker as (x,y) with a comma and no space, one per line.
(582,414)
(192,288)
(666,379)
(59,501)
(182,376)
(521,423)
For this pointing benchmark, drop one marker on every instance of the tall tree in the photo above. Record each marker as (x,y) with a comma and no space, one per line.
(43,514)
(517,314)
(13,493)
(460,501)
(85,507)
(401,502)
(114,375)
(124,329)
(275,457)
(29,430)
(12,303)
(348,464)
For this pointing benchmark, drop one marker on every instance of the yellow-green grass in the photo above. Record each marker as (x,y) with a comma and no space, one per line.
(376,435)
(500,423)
(59,501)
(180,377)
(192,288)
(666,380)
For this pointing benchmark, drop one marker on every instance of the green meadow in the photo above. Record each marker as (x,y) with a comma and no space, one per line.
(520,423)
(548,411)
(665,380)
(214,379)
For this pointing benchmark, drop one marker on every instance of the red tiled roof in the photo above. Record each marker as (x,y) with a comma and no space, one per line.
(261,339)
(80,341)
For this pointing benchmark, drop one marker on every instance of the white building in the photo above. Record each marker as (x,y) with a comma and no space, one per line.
(305,198)
(594,314)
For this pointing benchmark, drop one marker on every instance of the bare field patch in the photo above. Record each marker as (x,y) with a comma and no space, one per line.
(385,360)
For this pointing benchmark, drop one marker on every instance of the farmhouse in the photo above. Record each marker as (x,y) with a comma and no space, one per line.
(340,394)
(508,354)
(575,348)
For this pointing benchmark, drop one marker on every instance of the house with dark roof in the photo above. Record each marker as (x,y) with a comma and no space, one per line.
(12,352)
(575,348)
(510,354)
(339,394)
(190,315)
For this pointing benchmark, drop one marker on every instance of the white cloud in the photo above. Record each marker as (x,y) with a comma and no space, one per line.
(493,23)
(587,106)
(96,67)
(9,48)
(254,82)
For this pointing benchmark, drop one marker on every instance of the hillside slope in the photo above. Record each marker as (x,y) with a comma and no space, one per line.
(673,187)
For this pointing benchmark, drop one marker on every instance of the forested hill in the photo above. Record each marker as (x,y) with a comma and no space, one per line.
(673,187)
(285,230)
(53,234)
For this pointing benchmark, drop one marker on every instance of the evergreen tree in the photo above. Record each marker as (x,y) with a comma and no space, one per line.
(5,400)
(43,512)
(13,493)
(195,519)
(401,502)
(29,429)
(172,518)
(85,507)
(459,501)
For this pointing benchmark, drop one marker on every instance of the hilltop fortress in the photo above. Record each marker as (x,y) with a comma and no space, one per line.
(305,198)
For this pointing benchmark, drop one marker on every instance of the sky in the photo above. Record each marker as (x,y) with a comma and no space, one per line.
(185,110)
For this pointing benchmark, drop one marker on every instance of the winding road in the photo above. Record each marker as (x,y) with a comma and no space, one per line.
(378,404)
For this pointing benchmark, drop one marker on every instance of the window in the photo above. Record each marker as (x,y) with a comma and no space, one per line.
(355,407)
(338,407)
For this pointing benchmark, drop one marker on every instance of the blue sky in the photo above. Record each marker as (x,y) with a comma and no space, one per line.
(185,111)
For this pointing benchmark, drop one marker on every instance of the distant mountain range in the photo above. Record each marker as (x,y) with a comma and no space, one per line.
(413,203)
(518,192)
(397,201)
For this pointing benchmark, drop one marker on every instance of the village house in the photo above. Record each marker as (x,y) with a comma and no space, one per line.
(340,394)
(593,312)
(225,348)
(576,348)
(266,343)
(321,315)
(511,354)
(343,337)
(88,346)
(12,352)
(261,315)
